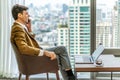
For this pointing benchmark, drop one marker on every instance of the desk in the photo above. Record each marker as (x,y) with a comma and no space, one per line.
(110,64)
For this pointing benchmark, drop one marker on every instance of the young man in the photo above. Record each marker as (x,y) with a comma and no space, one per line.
(20,35)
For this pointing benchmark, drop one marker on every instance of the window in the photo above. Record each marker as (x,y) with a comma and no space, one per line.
(46,16)
(108,23)
(84,9)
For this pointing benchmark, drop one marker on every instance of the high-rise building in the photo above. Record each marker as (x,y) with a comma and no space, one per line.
(103,34)
(63,36)
(115,27)
(103,25)
(79,26)
(107,28)
(118,36)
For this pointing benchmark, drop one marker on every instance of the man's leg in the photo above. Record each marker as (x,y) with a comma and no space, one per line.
(64,74)
(64,61)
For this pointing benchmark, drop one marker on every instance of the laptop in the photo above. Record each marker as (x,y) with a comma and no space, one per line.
(86,59)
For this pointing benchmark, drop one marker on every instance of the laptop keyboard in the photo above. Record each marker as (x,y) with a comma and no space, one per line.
(86,58)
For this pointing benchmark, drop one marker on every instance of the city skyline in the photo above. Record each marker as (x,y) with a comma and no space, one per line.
(53,16)
(42,3)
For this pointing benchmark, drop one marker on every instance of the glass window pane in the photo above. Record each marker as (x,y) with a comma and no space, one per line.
(108,23)
(65,22)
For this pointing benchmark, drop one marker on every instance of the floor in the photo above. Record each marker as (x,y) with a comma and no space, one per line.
(100,76)
(61,79)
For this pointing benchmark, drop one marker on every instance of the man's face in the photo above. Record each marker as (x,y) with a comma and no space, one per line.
(24,16)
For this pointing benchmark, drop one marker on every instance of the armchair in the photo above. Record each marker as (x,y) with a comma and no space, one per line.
(29,65)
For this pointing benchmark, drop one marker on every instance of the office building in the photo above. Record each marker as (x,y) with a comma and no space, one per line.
(118,23)
(103,33)
(107,28)
(63,36)
(115,27)
(79,26)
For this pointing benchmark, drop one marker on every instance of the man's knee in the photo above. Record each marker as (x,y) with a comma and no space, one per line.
(60,49)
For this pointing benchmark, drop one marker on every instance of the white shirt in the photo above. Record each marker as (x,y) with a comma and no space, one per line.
(24,27)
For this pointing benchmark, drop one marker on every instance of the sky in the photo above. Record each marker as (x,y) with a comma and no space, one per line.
(43,2)
(108,2)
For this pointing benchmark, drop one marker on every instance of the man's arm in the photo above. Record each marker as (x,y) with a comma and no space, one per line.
(20,40)
(28,25)
(52,55)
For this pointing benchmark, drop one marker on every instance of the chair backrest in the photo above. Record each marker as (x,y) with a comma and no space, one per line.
(19,59)
(29,65)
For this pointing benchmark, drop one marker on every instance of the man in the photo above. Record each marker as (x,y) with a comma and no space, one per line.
(20,35)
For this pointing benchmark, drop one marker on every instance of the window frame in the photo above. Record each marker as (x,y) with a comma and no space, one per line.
(93,25)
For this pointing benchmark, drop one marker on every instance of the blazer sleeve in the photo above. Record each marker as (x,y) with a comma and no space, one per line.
(20,40)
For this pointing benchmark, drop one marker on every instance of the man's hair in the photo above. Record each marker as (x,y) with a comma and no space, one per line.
(18,9)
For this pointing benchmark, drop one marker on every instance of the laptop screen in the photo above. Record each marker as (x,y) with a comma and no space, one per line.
(97,52)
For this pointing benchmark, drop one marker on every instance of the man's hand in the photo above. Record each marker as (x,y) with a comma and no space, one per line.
(50,54)
(28,25)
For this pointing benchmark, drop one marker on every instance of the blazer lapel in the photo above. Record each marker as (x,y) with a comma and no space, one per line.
(32,37)
(29,34)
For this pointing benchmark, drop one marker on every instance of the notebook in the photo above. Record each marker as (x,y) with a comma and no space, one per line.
(90,58)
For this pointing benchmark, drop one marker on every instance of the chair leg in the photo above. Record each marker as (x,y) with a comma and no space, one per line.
(47,76)
(19,76)
(27,77)
(57,76)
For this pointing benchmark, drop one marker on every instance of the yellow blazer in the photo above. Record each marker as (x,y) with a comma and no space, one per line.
(25,42)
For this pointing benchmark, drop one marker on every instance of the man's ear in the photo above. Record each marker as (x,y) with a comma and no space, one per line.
(19,15)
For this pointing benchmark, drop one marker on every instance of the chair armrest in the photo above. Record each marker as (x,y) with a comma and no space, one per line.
(34,64)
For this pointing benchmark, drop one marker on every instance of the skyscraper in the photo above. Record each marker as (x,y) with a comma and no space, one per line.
(79,26)
(115,26)
(118,36)
(107,29)
(63,36)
